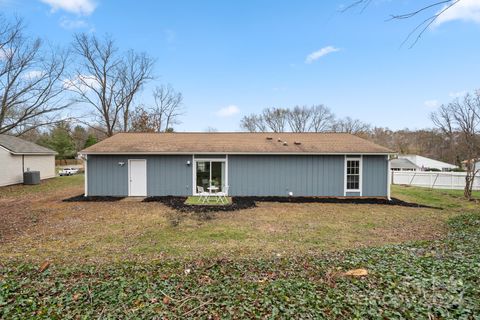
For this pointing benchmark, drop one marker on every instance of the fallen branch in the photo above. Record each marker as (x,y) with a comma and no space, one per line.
(201,305)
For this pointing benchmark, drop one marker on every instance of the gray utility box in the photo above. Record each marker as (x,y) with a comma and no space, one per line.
(31,177)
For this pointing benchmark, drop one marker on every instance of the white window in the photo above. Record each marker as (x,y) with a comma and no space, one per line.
(353,173)
(209,173)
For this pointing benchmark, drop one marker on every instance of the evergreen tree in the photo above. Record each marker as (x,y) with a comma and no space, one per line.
(91,140)
(61,141)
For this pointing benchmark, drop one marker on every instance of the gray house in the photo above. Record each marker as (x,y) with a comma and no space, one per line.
(242,164)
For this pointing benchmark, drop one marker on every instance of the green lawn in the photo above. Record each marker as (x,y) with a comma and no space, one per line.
(428,280)
(448,199)
(46,186)
(287,273)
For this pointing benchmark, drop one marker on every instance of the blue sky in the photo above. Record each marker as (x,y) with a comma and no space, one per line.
(232,58)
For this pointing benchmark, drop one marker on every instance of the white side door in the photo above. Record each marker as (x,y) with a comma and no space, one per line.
(137,170)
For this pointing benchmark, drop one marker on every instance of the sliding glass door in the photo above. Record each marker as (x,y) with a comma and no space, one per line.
(210,173)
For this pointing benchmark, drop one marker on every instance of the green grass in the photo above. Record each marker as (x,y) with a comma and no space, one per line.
(194,200)
(187,272)
(136,231)
(447,199)
(434,279)
(46,186)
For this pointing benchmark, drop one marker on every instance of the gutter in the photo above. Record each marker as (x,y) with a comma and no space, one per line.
(236,153)
(51,153)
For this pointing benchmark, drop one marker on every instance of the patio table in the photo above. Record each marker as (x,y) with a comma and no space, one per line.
(212,191)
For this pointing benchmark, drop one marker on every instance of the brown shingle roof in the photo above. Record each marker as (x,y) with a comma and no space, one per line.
(235,142)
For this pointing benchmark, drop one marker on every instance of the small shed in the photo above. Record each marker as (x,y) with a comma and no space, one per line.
(18,155)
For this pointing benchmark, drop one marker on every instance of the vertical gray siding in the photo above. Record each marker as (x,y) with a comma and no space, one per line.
(106,177)
(166,175)
(276,175)
(169,175)
(248,175)
(374,175)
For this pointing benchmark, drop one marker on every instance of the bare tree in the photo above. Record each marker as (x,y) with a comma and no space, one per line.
(299,118)
(210,129)
(463,117)
(97,78)
(135,71)
(162,116)
(439,7)
(352,126)
(253,123)
(108,80)
(322,118)
(168,106)
(31,81)
(316,118)
(275,119)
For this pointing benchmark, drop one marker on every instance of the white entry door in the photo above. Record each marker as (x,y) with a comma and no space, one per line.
(137,178)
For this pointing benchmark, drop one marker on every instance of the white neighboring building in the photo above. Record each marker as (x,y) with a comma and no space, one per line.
(425,163)
(403,165)
(17,156)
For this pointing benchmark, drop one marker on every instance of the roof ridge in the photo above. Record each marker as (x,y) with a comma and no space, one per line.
(247,142)
(236,132)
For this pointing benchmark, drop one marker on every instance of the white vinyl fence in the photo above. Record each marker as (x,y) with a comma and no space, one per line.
(437,180)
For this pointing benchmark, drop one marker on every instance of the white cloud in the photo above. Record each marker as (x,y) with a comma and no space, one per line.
(320,53)
(81,7)
(82,82)
(228,111)
(431,103)
(457,94)
(464,10)
(34,74)
(69,24)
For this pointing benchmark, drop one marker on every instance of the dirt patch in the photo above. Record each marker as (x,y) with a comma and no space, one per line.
(23,211)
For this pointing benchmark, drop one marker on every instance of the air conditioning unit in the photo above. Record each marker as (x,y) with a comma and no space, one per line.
(31,177)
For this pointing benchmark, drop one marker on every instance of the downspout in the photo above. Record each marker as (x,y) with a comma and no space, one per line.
(389,179)
(85,167)
(23,168)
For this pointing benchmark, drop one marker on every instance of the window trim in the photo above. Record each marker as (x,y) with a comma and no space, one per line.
(360,173)
(194,170)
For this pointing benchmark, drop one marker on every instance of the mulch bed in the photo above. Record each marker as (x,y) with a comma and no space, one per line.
(239,203)
(82,198)
(178,203)
(383,201)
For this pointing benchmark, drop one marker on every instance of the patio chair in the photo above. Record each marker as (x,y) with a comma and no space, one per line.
(203,194)
(222,195)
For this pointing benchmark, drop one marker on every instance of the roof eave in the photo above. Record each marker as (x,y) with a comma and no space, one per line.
(34,153)
(230,153)
(53,153)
